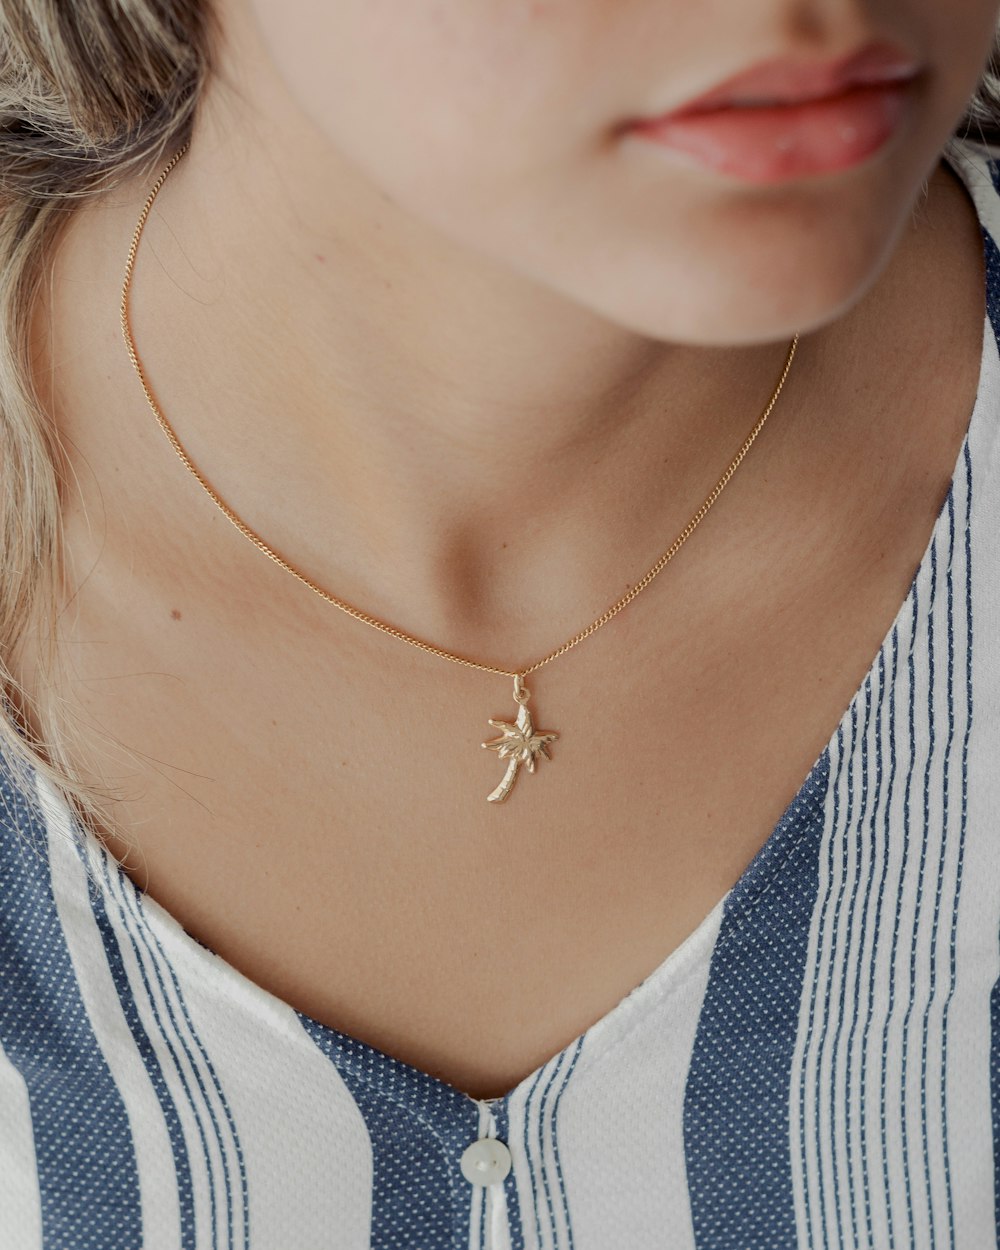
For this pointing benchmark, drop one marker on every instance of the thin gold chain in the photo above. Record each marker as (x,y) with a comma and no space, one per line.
(258,542)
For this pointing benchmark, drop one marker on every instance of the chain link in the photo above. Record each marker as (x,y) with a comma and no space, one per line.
(258,542)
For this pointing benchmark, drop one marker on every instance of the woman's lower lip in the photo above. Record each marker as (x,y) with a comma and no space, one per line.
(775,143)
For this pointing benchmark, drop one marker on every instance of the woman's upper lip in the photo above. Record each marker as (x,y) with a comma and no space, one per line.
(786,80)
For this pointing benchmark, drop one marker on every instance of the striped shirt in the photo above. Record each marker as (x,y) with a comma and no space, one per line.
(816,1065)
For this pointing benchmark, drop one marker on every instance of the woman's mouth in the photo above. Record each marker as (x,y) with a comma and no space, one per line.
(812,120)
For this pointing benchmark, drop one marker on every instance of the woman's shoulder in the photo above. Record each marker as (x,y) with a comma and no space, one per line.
(977,163)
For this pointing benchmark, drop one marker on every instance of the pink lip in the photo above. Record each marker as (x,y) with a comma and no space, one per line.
(782,80)
(784,119)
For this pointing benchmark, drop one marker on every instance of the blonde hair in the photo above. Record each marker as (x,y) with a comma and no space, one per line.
(93,92)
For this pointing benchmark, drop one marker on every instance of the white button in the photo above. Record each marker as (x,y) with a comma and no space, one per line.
(486,1161)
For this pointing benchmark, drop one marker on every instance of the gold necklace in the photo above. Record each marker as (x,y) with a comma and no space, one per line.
(519,741)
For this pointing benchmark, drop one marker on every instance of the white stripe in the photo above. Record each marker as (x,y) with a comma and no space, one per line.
(848,963)
(969,1112)
(221,1162)
(811,1075)
(862,1049)
(883,827)
(306,1149)
(620,1121)
(136,962)
(154,1157)
(820,1176)
(20,1198)
(498,1232)
(831,971)
(946,772)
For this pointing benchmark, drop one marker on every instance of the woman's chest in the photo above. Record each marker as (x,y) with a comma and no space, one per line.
(322,823)
(308,796)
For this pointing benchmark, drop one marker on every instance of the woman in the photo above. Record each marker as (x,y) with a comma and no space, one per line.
(571,819)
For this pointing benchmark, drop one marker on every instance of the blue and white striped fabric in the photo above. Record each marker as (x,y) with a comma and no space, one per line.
(818,1065)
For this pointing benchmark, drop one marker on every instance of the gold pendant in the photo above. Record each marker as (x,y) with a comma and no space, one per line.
(519,743)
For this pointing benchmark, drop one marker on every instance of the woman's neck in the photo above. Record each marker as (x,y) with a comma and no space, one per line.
(433,437)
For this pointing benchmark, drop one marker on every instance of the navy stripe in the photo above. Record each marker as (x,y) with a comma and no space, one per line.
(135,925)
(995,1096)
(813,1013)
(99,900)
(942,860)
(962,820)
(555,1144)
(571,1055)
(962,826)
(534,1146)
(884,852)
(994,168)
(418,1128)
(935,914)
(852,873)
(916,921)
(736,1114)
(170,1034)
(993,308)
(991,256)
(87,1171)
(821,1011)
(898,894)
(529,1155)
(482,1222)
(539,1124)
(921,875)
(534,1150)
(161,961)
(867,835)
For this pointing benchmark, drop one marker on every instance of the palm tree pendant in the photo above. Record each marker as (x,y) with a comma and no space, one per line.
(519,743)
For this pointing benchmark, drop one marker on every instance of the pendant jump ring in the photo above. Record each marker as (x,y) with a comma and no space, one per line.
(521,693)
